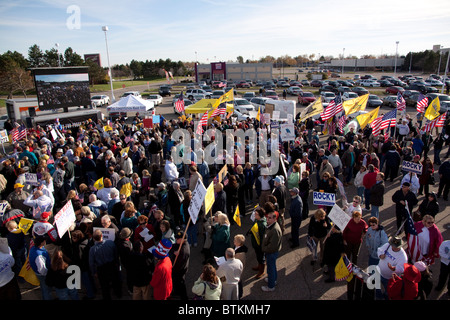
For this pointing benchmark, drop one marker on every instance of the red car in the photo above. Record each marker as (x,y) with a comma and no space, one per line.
(394,90)
(243,84)
(305,98)
(271,94)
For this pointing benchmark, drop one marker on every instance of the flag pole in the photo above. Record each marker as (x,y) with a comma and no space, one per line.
(182,240)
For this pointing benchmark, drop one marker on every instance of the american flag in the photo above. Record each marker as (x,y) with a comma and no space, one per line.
(375,123)
(203,122)
(220,110)
(412,237)
(438,122)
(19,133)
(401,103)
(222,85)
(179,104)
(422,103)
(341,123)
(388,120)
(333,108)
(386,136)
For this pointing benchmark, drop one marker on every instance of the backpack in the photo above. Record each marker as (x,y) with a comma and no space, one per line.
(3,183)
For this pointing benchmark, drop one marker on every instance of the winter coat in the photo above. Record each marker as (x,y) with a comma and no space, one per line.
(375,239)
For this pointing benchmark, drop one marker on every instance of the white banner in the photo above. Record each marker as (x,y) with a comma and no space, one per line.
(65,218)
(339,217)
(197,201)
(324,199)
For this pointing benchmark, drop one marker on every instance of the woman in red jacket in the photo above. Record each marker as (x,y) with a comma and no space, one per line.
(406,287)
(353,235)
(162,276)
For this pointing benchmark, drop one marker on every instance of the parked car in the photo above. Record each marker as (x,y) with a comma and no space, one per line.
(239,116)
(294,83)
(216,94)
(356,77)
(390,101)
(444,101)
(327,96)
(249,95)
(216,84)
(269,84)
(270,94)
(305,82)
(397,82)
(243,105)
(100,100)
(156,98)
(164,91)
(433,82)
(411,99)
(305,98)
(369,83)
(374,101)
(230,88)
(259,102)
(335,84)
(243,84)
(294,91)
(394,90)
(206,88)
(360,91)
(191,92)
(134,93)
(283,84)
(349,95)
(341,90)
(316,83)
(386,83)
(407,93)
(325,88)
(345,83)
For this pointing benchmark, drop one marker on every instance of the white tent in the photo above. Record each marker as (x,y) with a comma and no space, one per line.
(131,103)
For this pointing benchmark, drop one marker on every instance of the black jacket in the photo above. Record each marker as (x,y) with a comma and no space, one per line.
(377,194)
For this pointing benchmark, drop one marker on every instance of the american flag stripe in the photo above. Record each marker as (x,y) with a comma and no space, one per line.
(388,120)
(412,238)
(438,122)
(203,122)
(401,103)
(341,123)
(422,103)
(179,104)
(19,133)
(333,108)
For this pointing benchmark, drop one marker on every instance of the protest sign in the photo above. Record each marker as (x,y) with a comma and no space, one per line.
(198,195)
(108,233)
(4,136)
(287,132)
(31,179)
(65,218)
(339,217)
(324,199)
(412,167)
(209,197)
(3,206)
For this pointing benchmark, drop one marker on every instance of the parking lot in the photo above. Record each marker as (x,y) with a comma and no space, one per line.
(297,278)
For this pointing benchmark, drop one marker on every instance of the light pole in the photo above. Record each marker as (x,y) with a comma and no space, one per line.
(105,29)
(445,71)
(440,57)
(396,52)
(410,61)
(343,52)
(57,54)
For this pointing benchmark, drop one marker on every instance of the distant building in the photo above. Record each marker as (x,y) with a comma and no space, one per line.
(364,64)
(233,71)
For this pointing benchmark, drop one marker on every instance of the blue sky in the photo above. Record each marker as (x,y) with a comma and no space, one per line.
(220,30)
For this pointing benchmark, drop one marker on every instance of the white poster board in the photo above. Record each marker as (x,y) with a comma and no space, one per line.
(275,115)
(65,218)
(4,136)
(287,132)
(108,233)
(31,179)
(339,217)
(324,199)
(197,201)
(3,206)
(412,167)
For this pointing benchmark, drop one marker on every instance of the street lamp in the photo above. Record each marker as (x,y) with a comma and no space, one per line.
(343,52)
(57,53)
(105,29)
(440,57)
(396,52)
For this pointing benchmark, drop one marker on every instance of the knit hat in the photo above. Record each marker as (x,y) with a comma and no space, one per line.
(163,248)
(411,273)
(420,265)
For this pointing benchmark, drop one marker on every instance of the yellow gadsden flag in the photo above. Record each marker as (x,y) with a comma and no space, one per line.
(255,232)
(258,115)
(25,225)
(366,118)
(356,104)
(99,184)
(433,109)
(28,274)
(237,216)
(343,270)
(314,108)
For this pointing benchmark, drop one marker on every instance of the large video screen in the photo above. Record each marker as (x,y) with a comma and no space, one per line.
(62,87)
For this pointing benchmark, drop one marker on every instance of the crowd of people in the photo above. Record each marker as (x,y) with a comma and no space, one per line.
(125,181)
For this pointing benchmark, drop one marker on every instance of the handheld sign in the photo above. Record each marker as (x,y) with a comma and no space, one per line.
(108,233)
(31,178)
(3,206)
(339,217)
(412,167)
(65,218)
(197,201)
(324,199)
